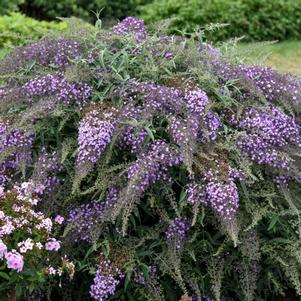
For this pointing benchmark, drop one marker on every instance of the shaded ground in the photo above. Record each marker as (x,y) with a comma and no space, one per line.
(290,296)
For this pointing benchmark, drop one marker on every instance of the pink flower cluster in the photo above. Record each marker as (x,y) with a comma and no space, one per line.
(19,222)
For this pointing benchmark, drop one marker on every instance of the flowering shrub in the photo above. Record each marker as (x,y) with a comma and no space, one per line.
(171,170)
(25,238)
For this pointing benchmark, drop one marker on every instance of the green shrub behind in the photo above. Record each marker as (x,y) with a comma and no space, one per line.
(44,9)
(16,29)
(254,19)
(7,6)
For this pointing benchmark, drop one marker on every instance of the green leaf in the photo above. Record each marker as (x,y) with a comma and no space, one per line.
(4,275)
(273,222)
(128,279)
(150,133)
(106,248)
(31,287)
(18,290)
(182,196)
(67,229)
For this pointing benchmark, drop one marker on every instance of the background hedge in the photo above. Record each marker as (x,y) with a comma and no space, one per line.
(49,10)
(16,29)
(7,6)
(255,19)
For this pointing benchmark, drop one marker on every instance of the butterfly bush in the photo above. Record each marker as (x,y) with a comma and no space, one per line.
(131,25)
(15,149)
(151,146)
(95,133)
(152,166)
(177,231)
(268,133)
(44,175)
(106,280)
(57,87)
(217,189)
(56,53)
(263,81)
(91,215)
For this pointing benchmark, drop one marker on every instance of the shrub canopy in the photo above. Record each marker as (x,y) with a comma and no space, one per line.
(171,169)
(256,20)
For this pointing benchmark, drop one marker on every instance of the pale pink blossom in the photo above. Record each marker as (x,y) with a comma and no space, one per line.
(52,245)
(59,219)
(14,260)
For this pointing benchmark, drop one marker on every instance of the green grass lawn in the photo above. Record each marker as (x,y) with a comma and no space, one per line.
(283,56)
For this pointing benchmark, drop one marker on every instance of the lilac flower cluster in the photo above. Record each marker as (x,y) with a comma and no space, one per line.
(184,132)
(45,170)
(152,166)
(47,163)
(210,126)
(273,85)
(218,190)
(95,133)
(189,120)
(142,279)
(268,132)
(134,139)
(221,193)
(206,122)
(272,124)
(223,198)
(57,87)
(259,150)
(177,231)
(106,280)
(15,148)
(195,194)
(208,50)
(88,217)
(156,98)
(131,25)
(268,82)
(133,136)
(197,101)
(47,52)
(198,126)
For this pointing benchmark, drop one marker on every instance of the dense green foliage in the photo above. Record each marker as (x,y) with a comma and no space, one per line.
(16,29)
(7,6)
(74,96)
(86,9)
(255,19)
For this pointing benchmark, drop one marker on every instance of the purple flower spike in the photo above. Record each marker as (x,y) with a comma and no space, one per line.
(131,25)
